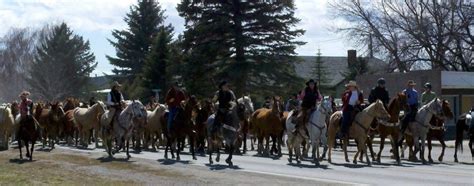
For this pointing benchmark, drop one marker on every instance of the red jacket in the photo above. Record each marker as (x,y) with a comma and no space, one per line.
(346,96)
(26,107)
(178,96)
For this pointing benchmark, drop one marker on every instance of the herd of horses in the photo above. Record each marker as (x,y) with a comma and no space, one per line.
(144,128)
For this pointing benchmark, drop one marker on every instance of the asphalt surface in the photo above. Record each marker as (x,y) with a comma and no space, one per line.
(339,172)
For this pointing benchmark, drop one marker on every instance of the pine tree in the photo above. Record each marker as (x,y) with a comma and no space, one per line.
(249,43)
(62,65)
(155,73)
(133,44)
(321,73)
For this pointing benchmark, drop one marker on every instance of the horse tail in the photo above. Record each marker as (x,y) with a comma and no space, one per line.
(460,133)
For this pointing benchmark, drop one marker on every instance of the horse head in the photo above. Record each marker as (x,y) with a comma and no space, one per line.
(138,109)
(326,107)
(447,109)
(56,111)
(378,110)
(276,106)
(435,107)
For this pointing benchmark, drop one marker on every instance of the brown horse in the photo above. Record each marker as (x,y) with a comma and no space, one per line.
(391,127)
(182,127)
(437,130)
(267,123)
(6,125)
(465,123)
(51,121)
(203,111)
(28,132)
(358,130)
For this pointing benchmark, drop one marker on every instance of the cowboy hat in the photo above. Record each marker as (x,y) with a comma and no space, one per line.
(411,82)
(116,84)
(351,84)
(310,81)
(24,93)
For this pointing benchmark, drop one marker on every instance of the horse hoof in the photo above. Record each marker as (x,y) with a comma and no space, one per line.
(369,164)
(229,162)
(378,161)
(218,159)
(298,161)
(194,158)
(166,156)
(316,163)
(178,159)
(440,159)
(347,160)
(329,161)
(430,160)
(355,162)
(210,162)
(456,160)
(289,160)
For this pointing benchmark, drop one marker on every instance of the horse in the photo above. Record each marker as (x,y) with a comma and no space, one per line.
(153,129)
(51,121)
(419,128)
(437,130)
(203,111)
(71,104)
(246,101)
(6,125)
(267,123)
(294,141)
(358,130)
(390,127)
(464,123)
(317,129)
(88,119)
(181,128)
(123,127)
(228,130)
(28,132)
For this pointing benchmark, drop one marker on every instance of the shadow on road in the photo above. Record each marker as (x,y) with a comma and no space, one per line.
(273,157)
(221,167)
(112,159)
(20,161)
(172,162)
(325,167)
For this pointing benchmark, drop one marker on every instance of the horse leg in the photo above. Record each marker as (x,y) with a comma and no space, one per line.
(280,144)
(443,146)
(316,158)
(290,150)
(19,146)
(267,146)
(218,149)
(422,149)
(429,150)
(229,159)
(128,147)
(28,155)
(32,149)
(323,139)
(191,146)
(245,142)
(369,144)
(166,148)
(344,148)
(382,142)
(178,150)
(366,155)
(471,142)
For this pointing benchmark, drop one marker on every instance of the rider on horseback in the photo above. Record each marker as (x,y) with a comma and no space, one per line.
(427,95)
(412,103)
(26,109)
(225,96)
(173,99)
(114,102)
(351,103)
(310,96)
(379,92)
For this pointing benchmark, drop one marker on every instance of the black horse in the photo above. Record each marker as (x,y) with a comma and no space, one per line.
(465,123)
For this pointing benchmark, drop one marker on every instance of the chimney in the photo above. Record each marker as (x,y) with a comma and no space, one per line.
(351,57)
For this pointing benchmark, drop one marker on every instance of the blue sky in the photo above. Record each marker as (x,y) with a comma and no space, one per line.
(95,20)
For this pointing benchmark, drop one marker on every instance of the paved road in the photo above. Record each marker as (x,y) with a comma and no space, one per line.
(386,173)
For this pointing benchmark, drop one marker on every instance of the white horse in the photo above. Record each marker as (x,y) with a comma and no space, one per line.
(245,123)
(6,125)
(87,119)
(127,120)
(421,126)
(317,129)
(153,129)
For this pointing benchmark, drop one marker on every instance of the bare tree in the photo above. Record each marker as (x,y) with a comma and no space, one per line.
(424,32)
(17,50)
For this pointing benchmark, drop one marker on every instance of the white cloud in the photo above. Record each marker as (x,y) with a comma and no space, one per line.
(102,16)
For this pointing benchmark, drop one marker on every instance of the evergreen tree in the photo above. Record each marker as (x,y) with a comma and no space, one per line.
(249,43)
(133,44)
(62,65)
(155,73)
(321,73)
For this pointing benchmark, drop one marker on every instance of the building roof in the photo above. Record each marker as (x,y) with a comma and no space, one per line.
(334,65)
(457,80)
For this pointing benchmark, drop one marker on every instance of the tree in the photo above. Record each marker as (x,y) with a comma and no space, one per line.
(436,34)
(321,73)
(133,44)
(359,67)
(249,43)
(155,73)
(62,65)
(16,55)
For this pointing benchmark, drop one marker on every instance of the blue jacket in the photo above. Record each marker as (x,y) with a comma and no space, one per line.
(412,96)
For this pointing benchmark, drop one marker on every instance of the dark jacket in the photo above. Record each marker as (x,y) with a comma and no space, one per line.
(177,95)
(224,98)
(379,93)
(309,97)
